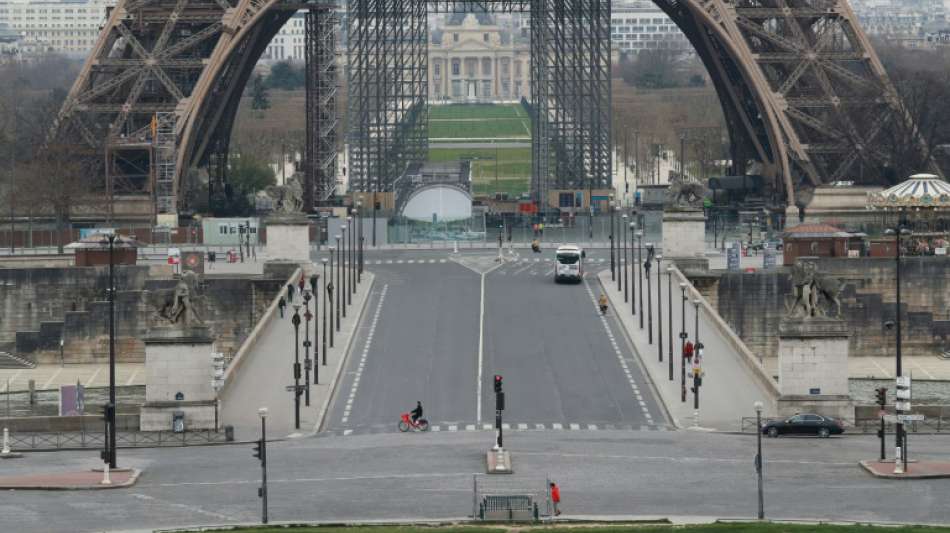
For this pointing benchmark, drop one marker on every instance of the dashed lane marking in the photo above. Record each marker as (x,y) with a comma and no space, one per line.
(362,362)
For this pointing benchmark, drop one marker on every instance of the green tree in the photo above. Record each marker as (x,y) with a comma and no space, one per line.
(283,75)
(260,98)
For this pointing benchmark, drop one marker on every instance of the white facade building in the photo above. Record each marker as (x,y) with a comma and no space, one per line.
(60,26)
(288,44)
(637,26)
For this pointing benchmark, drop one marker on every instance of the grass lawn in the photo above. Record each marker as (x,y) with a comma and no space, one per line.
(514,168)
(494,128)
(749,527)
(481,111)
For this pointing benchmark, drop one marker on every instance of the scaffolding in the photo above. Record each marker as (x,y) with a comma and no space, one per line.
(322,121)
(165,143)
(570,107)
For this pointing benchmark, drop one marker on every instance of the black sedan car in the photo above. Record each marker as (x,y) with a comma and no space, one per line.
(804,424)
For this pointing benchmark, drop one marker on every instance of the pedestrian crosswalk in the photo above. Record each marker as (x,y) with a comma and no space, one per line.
(506,260)
(458,427)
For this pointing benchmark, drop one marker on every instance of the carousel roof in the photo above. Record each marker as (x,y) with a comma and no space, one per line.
(920,190)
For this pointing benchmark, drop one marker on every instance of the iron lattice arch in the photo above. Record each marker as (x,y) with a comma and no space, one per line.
(803,92)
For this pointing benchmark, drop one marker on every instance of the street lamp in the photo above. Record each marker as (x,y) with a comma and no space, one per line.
(327,307)
(646,266)
(344,268)
(633,288)
(351,271)
(314,280)
(262,412)
(900,461)
(659,311)
(359,225)
(696,303)
(111,407)
(669,300)
(758,457)
(306,346)
(683,336)
(339,259)
(623,262)
(296,367)
(613,275)
(640,274)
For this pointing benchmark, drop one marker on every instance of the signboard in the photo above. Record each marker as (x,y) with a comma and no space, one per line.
(89,232)
(903,381)
(940,251)
(916,417)
(854,253)
(174,256)
(814,391)
(902,406)
(732,257)
(72,400)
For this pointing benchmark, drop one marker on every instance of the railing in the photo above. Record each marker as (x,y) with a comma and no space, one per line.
(132,439)
(937,424)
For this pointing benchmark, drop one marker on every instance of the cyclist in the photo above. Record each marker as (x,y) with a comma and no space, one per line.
(416,413)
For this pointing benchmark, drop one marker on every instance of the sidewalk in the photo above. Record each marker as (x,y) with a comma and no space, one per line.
(915,470)
(75,480)
(267,370)
(729,388)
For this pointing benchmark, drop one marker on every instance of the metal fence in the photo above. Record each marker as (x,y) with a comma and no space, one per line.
(508,498)
(131,439)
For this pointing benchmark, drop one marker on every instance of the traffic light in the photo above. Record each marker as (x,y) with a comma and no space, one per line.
(881,396)
(259,452)
(497,383)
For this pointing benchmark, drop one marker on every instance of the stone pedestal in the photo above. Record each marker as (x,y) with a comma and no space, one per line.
(684,233)
(178,377)
(288,238)
(813,367)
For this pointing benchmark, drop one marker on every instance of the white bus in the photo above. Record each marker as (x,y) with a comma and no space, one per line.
(569,263)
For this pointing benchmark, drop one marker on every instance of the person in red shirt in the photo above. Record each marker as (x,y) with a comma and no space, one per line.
(688,351)
(556,498)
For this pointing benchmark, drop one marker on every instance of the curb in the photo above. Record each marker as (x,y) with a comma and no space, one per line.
(646,372)
(331,391)
(128,483)
(866,465)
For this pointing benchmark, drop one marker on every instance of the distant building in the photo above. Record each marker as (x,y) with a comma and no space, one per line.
(69,27)
(472,58)
(638,26)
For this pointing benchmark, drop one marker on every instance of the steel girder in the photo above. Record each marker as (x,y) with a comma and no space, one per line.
(322,121)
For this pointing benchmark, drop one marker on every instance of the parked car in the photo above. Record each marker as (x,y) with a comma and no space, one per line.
(804,424)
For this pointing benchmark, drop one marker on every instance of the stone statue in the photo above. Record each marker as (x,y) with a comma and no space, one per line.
(815,295)
(177,306)
(288,198)
(685,194)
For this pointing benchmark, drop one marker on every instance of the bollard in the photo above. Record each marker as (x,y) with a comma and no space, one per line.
(6,442)
(105,475)
(32,386)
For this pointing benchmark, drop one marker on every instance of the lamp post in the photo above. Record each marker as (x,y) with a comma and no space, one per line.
(640,273)
(306,347)
(339,258)
(646,266)
(359,225)
(314,280)
(296,367)
(659,311)
(262,412)
(683,336)
(613,273)
(623,261)
(900,461)
(327,308)
(351,271)
(696,316)
(633,288)
(669,300)
(758,457)
(329,290)
(343,268)
(111,408)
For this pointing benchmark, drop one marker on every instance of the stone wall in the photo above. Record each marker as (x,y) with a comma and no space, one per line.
(753,304)
(42,306)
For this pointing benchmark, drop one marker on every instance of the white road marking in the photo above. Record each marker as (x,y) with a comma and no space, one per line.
(92,378)
(191,508)
(881,368)
(592,426)
(557,426)
(575,427)
(487,426)
(481,347)
(539,426)
(522,426)
(922,369)
(345,431)
(456,428)
(470,427)
(366,347)
(53,377)
(435,428)
(505,426)
(132,377)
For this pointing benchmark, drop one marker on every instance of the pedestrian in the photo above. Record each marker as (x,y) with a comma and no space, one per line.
(556,498)
(210,259)
(534,228)
(301,283)
(541,229)
(688,351)
(290,292)
(282,303)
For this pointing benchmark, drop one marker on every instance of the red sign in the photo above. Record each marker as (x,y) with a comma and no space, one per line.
(527,208)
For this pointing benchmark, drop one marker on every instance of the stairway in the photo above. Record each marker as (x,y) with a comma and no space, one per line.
(8,360)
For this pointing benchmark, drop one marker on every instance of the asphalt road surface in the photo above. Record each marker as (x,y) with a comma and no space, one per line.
(440,332)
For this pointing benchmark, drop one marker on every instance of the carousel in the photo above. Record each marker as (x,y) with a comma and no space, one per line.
(921,204)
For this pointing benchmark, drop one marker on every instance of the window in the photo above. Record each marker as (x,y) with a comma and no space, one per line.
(222,229)
(506,87)
(486,66)
(485,37)
(486,89)
(456,88)
(517,69)
(565,199)
(437,70)
(456,67)
(455,37)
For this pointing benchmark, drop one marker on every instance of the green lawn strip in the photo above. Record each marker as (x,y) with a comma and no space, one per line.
(514,187)
(506,169)
(475,111)
(744,527)
(456,154)
(453,129)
